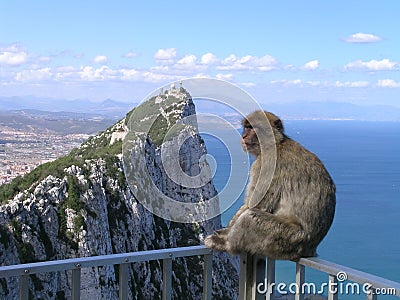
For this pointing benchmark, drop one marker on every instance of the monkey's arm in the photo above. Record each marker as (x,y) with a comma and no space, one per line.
(224,231)
(241,210)
(218,240)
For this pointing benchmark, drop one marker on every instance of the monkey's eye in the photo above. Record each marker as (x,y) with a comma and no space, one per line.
(248,126)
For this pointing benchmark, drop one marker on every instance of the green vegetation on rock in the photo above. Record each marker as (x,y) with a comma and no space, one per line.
(94,148)
(157,115)
(20,184)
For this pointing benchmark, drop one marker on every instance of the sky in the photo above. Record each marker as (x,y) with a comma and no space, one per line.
(278,51)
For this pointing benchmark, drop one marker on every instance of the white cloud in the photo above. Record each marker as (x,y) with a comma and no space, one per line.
(248,62)
(154,77)
(301,83)
(315,83)
(295,82)
(248,84)
(34,75)
(130,54)
(11,58)
(388,83)
(101,74)
(165,56)
(129,74)
(201,75)
(161,69)
(187,62)
(105,73)
(227,77)
(187,65)
(11,48)
(372,65)
(100,59)
(44,59)
(65,69)
(66,72)
(286,82)
(165,53)
(352,84)
(265,63)
(79,55)
(362,38)
(209,59)
(311,65)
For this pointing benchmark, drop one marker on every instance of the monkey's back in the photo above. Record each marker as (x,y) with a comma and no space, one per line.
(305,190)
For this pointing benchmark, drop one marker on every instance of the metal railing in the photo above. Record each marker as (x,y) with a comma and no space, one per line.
(123,260)
(257,279)
(255,273)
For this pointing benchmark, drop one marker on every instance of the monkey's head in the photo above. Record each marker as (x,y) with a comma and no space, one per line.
(255,127)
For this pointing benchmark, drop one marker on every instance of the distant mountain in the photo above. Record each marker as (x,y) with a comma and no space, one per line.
(109,108)
(334,110)
(36,121)
(113,109)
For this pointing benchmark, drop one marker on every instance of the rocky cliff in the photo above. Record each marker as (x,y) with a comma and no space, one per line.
(81,205)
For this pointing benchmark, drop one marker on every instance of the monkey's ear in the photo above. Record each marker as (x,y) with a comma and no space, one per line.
(245,123)
(278,125)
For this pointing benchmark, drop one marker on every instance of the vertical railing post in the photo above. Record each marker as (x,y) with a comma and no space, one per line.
(252,273)
(23,287)
(167,279)
(76,284)
(300,279)
(270,279)
(333,288)
(372,295)
(207,275)
(123,281)
(259,266)
(242,276)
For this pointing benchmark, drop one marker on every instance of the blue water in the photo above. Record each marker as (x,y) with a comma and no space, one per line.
(363,159)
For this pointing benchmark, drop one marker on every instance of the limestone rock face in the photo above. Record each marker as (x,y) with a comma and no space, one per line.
(83,206)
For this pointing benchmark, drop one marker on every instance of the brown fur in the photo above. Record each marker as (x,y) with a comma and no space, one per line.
(288,219)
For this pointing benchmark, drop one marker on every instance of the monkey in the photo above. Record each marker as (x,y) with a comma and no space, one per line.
(291,216)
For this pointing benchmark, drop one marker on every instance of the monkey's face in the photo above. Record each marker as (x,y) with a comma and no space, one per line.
(249,140)
(261,126)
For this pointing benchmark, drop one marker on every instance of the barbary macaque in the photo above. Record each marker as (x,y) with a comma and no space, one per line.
(295,208)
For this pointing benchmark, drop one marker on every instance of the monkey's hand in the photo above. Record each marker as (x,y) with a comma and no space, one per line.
(218,240)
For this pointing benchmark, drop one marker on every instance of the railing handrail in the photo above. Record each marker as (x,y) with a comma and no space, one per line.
(251,270)
(352,274)
(101,260)
(123,260)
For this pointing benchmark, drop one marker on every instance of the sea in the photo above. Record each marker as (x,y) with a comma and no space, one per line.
(364,161)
